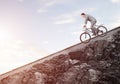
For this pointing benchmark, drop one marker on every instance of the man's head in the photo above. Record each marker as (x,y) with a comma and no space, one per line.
(83,15)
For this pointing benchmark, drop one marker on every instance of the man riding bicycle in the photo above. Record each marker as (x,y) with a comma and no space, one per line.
(92,20)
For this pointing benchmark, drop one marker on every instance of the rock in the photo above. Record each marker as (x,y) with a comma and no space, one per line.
(84,65)
(69,77)
(94,75)
(73,62)
(40,78)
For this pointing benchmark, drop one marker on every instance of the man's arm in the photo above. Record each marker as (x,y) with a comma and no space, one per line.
(86,20)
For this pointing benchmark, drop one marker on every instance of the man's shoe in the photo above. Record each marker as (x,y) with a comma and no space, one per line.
(101,31)
(93,34)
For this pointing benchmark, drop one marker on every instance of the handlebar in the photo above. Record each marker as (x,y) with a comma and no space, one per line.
(86,29)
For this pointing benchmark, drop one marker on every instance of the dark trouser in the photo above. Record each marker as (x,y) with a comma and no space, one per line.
(92,27)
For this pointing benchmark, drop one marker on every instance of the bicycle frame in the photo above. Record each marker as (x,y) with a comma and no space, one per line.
(87,30)
(96,26)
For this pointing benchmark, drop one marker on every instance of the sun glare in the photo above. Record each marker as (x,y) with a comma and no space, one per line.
(4,35)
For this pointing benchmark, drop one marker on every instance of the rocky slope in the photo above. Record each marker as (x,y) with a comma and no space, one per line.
(97,62)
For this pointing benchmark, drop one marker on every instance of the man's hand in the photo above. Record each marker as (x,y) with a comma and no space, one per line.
(84,26)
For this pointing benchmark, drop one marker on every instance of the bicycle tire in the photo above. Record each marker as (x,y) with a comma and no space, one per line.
(100,28)
(82,35)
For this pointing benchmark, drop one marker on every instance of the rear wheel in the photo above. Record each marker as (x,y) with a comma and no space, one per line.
(85,37)
(102,30)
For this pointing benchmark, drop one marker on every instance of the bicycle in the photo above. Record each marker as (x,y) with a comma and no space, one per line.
(100,30)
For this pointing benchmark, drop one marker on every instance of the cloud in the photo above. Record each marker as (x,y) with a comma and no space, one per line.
(71,16)
(45,42)
(64,21)
(66,18)
(20,0)
(76,13)
(115,1)
(116,23)
(50,3)
(76,33)
(42,10)
(46,4)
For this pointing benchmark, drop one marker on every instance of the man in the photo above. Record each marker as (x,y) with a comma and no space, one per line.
(91,19)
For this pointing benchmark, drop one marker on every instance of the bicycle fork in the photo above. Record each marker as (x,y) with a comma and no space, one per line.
(85,35)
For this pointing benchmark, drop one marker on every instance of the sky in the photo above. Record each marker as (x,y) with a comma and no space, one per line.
(32,29)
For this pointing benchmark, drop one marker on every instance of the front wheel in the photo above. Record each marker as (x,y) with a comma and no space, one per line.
(85,37)
(102,30)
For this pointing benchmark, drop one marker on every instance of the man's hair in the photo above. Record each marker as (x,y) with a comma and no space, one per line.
(83,14)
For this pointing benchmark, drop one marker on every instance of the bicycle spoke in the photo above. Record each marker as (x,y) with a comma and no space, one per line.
(85,37)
